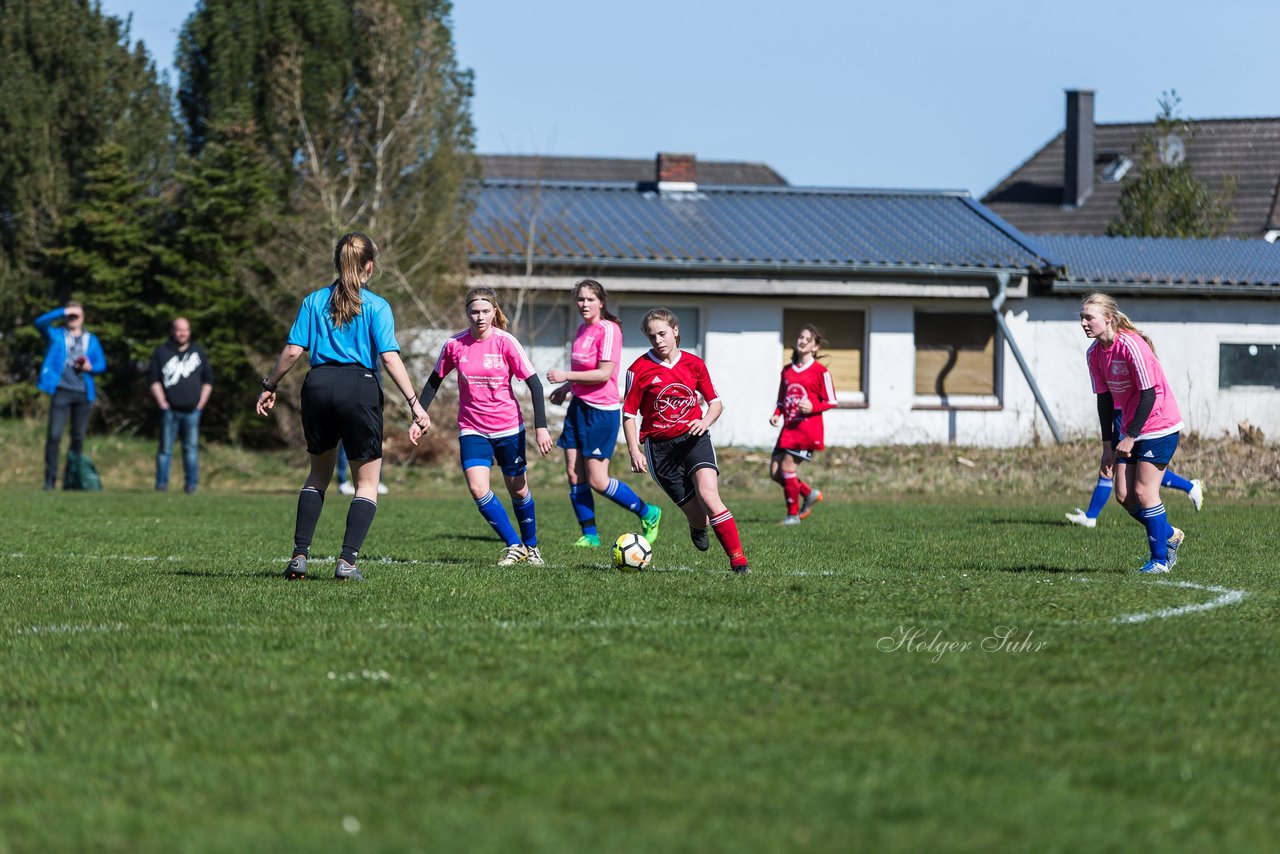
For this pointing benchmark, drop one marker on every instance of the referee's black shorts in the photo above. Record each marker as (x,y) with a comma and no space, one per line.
(343,403)
(672,463)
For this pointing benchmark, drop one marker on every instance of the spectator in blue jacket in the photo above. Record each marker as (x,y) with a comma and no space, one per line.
(73,357)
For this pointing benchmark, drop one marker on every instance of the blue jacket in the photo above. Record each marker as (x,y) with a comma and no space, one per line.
(55,358)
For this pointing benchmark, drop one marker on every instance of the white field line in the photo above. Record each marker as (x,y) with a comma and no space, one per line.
(1226,596)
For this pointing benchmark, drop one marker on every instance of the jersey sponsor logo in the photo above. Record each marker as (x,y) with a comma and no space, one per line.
(492,360)
(673,403)
(1119,369)
(791,402)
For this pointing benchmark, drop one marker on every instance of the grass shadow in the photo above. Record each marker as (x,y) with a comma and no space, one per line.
(1052,570)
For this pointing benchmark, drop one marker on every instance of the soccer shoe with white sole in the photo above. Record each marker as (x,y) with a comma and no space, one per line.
(1154,567)
(534,556)
(806,506)
(382,488)
(344,571)
(1082,518)
(649,523)
(514,555)
(588,541)
(347,488)
(1196,494)
(297,568)
(701,541)
(1174,543)
(790,520)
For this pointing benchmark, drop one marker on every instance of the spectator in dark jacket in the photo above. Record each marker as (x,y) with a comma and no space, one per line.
(181,382)
(73,357)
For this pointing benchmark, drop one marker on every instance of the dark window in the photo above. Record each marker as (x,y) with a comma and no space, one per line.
(1248,364)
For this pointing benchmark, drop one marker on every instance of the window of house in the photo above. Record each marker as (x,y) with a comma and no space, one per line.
(955,359)
(541,324)
(634,344)
(843,352)
(1248,365)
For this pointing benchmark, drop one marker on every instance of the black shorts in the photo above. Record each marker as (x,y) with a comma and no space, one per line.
(343,403)
(799,454)
(672,463)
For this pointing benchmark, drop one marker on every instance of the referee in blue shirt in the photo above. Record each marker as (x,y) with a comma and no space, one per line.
(346,328)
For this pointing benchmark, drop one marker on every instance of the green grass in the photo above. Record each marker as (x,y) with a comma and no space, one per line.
(163,689)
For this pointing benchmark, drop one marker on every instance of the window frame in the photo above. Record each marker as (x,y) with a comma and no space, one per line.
(1243,388)
(952,402)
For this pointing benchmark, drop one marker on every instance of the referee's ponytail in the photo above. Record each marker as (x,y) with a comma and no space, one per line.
(354,253)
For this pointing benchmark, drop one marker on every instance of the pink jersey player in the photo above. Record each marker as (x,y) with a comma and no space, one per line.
(486,404)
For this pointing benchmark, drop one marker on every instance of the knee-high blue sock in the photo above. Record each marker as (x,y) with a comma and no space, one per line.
(527,517)
(1175,480)
(584,507)
(1101,495)
(624,496)
(1158,530)
(496,515)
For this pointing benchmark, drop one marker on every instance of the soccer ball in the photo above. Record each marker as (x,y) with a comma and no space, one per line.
(631,553)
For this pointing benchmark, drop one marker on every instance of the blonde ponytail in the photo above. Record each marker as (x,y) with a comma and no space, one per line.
(350,258)
(1111,309)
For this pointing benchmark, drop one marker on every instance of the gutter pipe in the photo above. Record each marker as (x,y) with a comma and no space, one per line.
(997,303)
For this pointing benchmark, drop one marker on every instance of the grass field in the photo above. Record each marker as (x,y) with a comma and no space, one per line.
(164,689)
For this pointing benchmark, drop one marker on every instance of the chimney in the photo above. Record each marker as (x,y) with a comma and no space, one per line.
(677,172)
(1077,172)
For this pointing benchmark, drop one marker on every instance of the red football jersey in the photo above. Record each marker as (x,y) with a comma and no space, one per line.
(666,396)
(812,382)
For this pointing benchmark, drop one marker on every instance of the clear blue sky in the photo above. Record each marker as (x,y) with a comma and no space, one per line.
(908,93)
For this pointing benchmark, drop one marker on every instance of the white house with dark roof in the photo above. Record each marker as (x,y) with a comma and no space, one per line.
(945,323)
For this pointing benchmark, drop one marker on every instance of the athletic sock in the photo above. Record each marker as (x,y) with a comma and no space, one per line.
(1158,531)
(496,515)
(624,496)
(1101,495)
(805,488)
(359,518)
(1175,481)
(527,517)
(584,507)
(727,533)
(310,503)
(791,492)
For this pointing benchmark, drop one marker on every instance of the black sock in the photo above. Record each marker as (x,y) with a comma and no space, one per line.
(310,503)
(359,518)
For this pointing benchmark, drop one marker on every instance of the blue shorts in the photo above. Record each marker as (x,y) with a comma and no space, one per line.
(481,451)
(593,432)
(1158,452)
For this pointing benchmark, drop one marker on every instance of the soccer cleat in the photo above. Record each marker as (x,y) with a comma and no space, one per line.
(1153,567)
(382,488)
(1174,543)
(347,488)
(344,571)
(741,568)
(701,541)
(1196,494)
(649,523)
(806,506)
(790,520)
(534,556)
(514,555)
(588,541)
(297,568)
(1082,518)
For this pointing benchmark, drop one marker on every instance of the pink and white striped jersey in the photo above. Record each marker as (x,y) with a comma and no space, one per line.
(1126,368)
(486,404)
(595,343)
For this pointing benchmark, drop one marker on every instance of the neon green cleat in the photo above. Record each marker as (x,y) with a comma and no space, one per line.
(649,523)
(588,541)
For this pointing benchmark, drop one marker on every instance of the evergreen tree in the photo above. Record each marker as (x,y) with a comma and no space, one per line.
(1164,198)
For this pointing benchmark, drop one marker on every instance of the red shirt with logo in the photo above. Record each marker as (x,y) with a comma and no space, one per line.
(812,382)
(665,397)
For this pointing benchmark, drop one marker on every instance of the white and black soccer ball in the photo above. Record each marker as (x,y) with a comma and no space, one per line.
(631,553)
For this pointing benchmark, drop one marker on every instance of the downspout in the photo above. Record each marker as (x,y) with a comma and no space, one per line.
(997,303)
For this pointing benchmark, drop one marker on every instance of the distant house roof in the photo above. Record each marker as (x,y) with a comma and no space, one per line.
(535,167)
(1165,265)
(1248,150)
(751,231)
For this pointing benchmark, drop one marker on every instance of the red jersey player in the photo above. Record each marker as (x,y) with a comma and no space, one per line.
(662,390)
(805,392)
